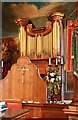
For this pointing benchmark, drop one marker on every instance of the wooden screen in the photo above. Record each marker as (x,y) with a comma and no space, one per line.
(23,82)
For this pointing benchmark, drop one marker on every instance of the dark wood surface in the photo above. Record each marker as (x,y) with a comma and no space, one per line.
(72,110)
(46,111)
(10,114)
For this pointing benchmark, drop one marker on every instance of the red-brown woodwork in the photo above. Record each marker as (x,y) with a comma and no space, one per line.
(72,110)
(46,111)
(75,86)
(23,82)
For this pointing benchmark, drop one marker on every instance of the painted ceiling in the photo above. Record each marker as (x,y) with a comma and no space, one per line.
(37,12)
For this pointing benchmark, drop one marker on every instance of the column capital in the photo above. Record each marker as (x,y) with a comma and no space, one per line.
(56,16)
(22,21)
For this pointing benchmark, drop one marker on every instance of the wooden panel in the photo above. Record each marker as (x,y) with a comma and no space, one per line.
(41,64)
(17,86)
(46,110)
(75,86)
(23,82)
(5,87)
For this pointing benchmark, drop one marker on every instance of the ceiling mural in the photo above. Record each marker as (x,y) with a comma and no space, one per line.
(37,12)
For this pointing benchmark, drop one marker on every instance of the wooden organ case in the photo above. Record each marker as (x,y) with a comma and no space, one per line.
(42,46)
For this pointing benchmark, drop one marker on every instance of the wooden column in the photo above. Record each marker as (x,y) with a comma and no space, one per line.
(62,57)
(75,97)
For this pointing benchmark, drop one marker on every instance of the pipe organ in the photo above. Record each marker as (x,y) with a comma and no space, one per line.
(44,45)
(43,42)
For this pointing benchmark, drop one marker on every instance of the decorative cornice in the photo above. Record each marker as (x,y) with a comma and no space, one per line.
(55,16)
(33,31)
(39,31)
(22,21)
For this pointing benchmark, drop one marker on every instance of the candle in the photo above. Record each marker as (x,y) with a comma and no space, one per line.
(2,63)
(49,61)
(56,61)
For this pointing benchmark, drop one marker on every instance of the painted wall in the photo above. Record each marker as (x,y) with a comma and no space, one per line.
(36,11)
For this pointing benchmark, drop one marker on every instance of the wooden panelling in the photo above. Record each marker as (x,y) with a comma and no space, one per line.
(23,82)
(46,110)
